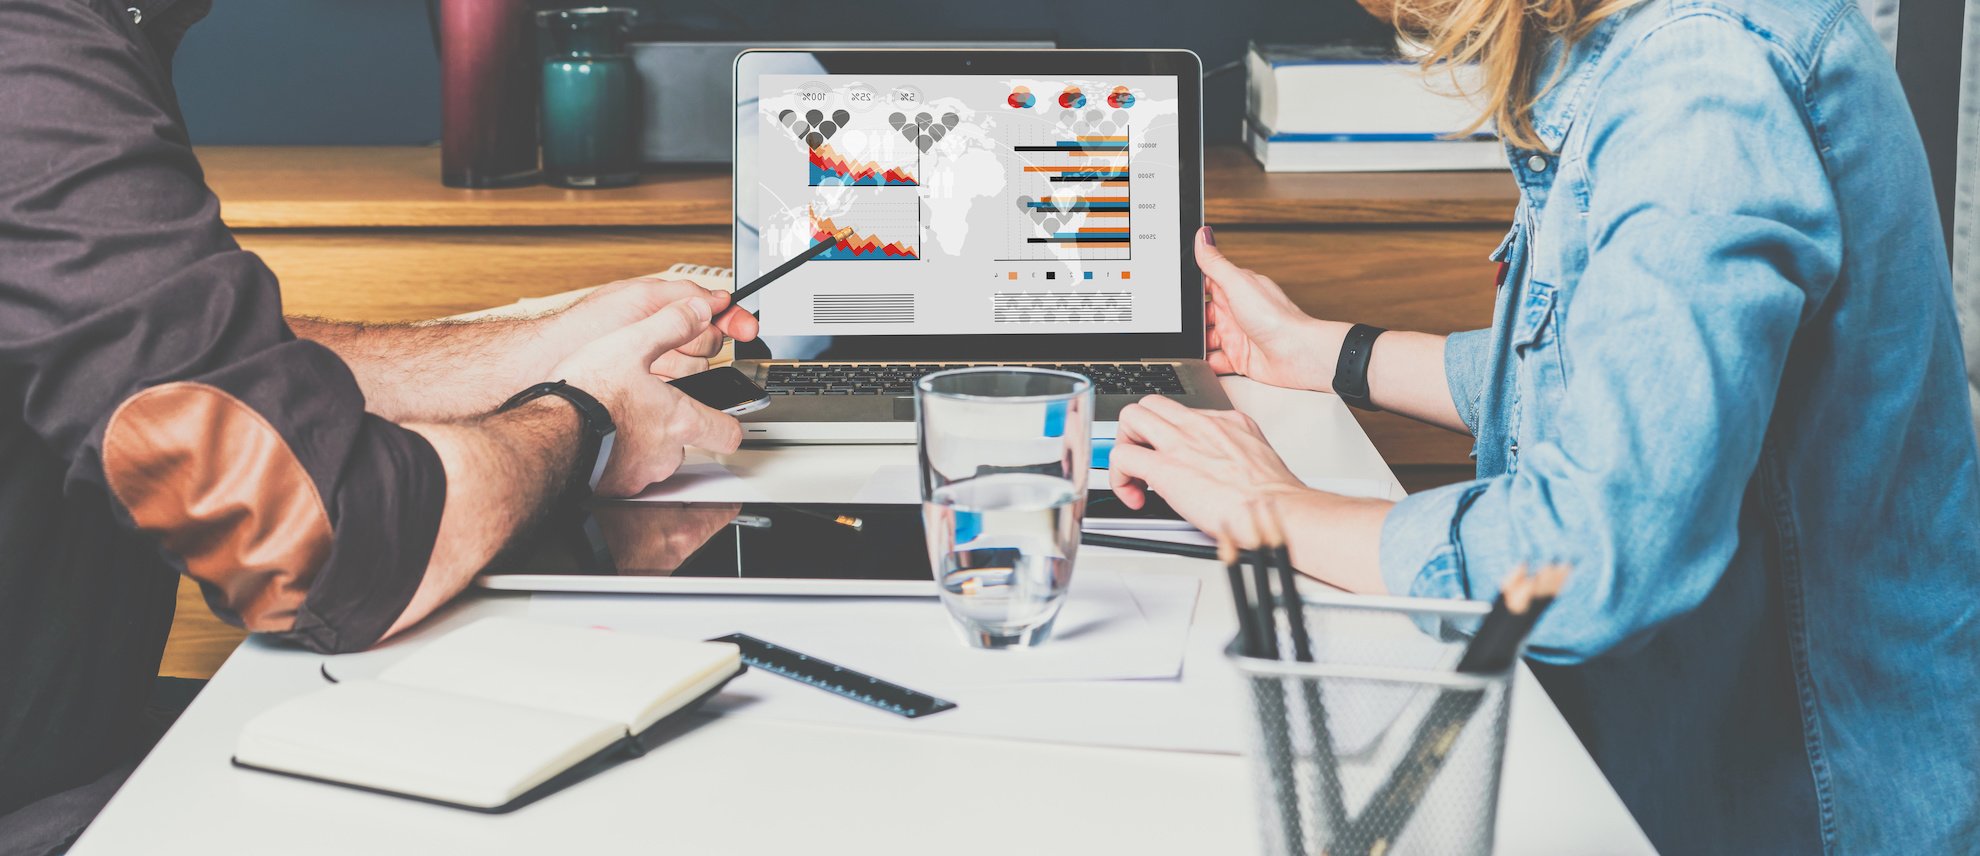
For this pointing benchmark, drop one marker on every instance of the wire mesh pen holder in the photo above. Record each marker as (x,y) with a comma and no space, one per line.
(1378,747)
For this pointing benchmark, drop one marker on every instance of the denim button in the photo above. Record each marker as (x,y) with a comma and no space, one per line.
(1537,163)
(137,15)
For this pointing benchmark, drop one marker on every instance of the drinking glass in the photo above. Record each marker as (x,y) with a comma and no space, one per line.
(1004,455)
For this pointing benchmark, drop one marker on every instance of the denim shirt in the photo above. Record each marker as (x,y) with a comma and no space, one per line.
(1723,380)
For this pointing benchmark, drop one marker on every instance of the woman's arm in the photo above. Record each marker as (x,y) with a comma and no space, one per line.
(1672,351)
(1254,330)
(1209,464)
(1711,226)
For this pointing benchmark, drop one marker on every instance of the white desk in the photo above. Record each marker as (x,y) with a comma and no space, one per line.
(754,785)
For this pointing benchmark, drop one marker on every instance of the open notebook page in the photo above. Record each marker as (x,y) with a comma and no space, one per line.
(420,743)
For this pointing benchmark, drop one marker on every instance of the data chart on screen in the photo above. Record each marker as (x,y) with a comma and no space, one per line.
(966,204)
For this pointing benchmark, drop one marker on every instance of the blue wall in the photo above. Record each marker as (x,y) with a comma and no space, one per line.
(310,71)
(276,72)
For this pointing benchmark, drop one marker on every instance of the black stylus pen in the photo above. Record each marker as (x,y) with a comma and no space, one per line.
(758,283)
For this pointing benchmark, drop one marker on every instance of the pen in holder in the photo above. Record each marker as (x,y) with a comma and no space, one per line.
(1377,746)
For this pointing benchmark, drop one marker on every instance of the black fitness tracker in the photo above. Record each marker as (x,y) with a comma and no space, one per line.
(1351,373)
(595,427)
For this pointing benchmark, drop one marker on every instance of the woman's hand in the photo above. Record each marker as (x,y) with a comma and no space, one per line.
(1211,464)
(1253,329)
(1206,463)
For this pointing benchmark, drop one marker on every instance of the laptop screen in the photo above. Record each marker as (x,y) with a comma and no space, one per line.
(965,205)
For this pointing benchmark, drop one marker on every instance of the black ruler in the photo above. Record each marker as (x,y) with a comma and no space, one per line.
(834,678)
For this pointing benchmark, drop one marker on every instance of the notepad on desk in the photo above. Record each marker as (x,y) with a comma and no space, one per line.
(491,716)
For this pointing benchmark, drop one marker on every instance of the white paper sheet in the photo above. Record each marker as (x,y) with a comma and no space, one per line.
(1181,713)
(1104,632)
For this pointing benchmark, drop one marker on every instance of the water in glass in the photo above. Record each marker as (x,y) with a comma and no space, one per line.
(1002,547)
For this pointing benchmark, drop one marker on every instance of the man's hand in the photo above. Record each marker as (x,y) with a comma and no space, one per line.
(446,371)
(1206,463)
(618,304)
(1253,329)
(656,422)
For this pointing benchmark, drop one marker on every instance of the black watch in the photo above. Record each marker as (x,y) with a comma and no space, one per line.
(1351,373)
(595,427)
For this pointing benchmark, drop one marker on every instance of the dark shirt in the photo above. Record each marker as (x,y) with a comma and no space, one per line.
(157,416)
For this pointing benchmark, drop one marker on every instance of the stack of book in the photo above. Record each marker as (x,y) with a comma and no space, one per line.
(1352,108)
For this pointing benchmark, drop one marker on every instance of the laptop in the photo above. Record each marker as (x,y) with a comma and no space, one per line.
(1021,207)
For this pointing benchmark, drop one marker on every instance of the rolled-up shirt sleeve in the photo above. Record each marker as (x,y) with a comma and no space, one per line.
(153,358)
(1467,356)
(1673,347)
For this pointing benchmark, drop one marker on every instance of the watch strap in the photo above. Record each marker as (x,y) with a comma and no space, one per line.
(595,427)
(1351,371)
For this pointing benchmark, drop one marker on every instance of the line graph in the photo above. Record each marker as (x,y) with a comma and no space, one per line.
(828,168)
(869,238)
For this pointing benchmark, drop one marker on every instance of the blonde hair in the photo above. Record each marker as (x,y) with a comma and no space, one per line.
(1505,38)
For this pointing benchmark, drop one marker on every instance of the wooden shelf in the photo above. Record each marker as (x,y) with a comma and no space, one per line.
(311,187)
(324,187)
(1237,192)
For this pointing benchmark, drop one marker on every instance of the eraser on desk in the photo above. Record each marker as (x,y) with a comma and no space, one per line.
(1103,451)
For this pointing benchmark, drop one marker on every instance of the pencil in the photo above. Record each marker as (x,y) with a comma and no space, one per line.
(1326,766)
(1492,650)
(1227,554)
(850,522)
(757,284)
(1266,605)
(1152,545)
(1269,693)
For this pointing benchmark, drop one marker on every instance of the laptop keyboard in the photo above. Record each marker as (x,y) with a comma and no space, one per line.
(899,378)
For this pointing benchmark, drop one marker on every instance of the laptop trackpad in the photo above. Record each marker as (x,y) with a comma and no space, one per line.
(903,410)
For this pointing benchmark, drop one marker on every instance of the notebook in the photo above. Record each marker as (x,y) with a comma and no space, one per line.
(491,716)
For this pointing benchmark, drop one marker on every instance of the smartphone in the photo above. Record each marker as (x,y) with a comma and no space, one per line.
(725,389)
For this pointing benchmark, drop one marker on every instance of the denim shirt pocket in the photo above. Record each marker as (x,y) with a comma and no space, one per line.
(1536,345)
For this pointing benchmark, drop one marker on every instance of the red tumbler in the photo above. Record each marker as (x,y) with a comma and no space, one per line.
(487,93)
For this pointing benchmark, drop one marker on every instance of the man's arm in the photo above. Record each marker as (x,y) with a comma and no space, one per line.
(149,359)
(148,356)
(437,371)
(504,469)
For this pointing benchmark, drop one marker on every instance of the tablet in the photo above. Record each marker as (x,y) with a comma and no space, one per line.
(853,550)
(768,548)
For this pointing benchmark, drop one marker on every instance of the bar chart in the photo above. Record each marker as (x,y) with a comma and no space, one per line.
(1074,199)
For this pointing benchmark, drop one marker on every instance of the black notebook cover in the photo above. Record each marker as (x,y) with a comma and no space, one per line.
(629,746)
